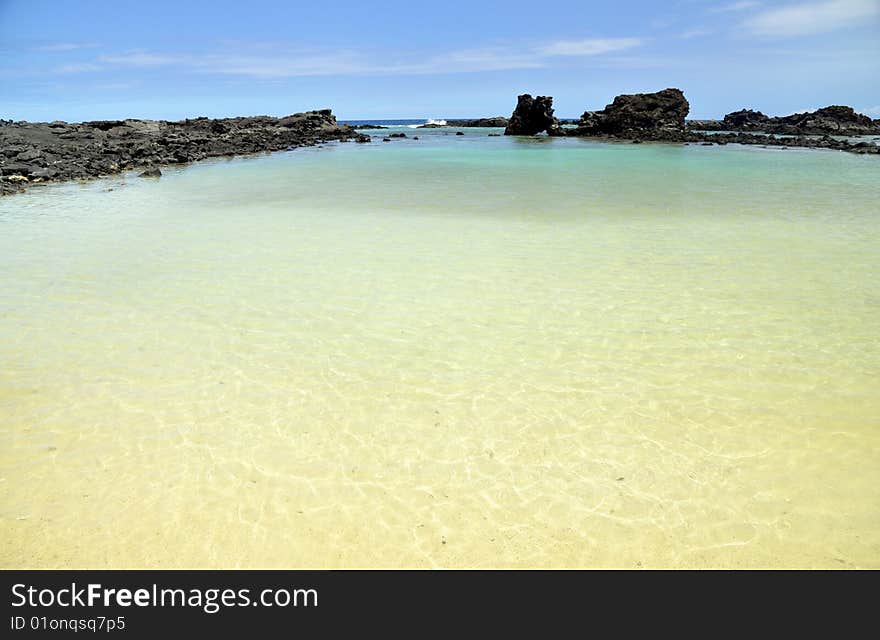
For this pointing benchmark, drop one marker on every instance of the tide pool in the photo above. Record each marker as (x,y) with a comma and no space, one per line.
(461,351)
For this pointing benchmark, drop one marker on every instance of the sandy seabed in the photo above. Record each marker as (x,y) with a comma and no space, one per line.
(478,352)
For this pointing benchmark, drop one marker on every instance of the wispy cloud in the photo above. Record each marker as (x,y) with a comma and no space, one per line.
(697,32)
(79,67)
(63,47)
(115,86)
(814,17)
(661,23)
(473,60)
(280,66)
(734,7)
(140,59)
(279,63)
(588,47)
(302,64)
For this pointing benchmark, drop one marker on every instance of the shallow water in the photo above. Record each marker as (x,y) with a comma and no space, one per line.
(460,351)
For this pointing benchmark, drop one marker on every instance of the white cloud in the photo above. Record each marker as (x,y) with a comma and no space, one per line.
(742,5)
(115,86)
(814,17)
(140,59)
(279,63)
(79,67)
(697,33)
(291,64)
(493,59)
(588,47)
(63,46)
(279,66)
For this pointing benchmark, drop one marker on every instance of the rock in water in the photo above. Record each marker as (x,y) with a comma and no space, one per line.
(744,119)
(652,115)
(497,121)
(152,172)
(835,120)
(533,116)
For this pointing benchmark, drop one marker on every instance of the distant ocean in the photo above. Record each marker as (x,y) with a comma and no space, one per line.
(414,122)
(406,122)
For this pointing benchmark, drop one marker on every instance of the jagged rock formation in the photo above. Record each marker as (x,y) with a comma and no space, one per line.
(833,120)
(659,115)
(533,116)
(745,119)
(34,152)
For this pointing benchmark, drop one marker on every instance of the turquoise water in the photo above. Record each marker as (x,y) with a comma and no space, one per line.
(455,351)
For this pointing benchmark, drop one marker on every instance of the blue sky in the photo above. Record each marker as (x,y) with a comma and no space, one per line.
(89,59)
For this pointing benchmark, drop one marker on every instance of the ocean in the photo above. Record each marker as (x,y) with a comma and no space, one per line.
(457,351)
(399,123)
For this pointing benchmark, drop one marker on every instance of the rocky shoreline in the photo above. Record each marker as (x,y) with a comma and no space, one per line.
(661,117)
(836,119)
(39,152)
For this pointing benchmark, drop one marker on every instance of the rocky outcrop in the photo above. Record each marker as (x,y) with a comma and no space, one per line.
(656,116)
(768,140)
(533,116)
(661,117)
(704,125)
(701,133)
(744,120)
(833,120)
(836,119)
(497,121)
(35,152)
